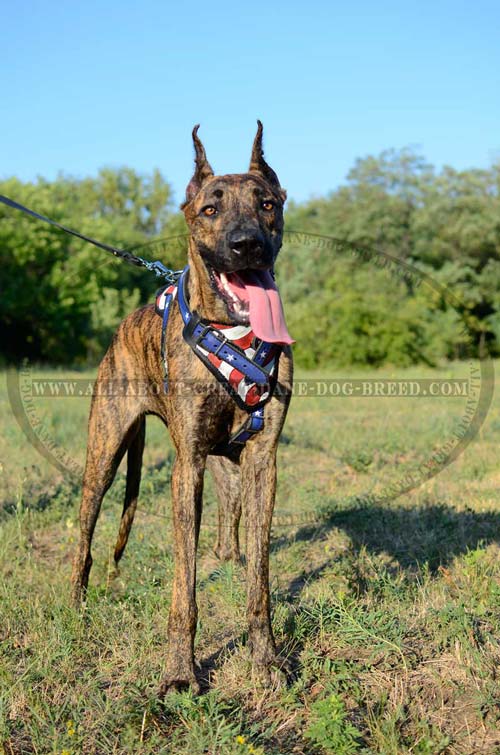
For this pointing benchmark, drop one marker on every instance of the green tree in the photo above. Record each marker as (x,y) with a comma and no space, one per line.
(53,284)
(61,299)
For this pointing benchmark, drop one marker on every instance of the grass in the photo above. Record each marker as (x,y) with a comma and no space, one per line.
(386,611)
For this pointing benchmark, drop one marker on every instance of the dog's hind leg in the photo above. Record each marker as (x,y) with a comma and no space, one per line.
(134,465)
(112,424)
(226,474)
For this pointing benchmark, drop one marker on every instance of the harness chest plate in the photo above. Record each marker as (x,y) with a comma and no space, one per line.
(245,366)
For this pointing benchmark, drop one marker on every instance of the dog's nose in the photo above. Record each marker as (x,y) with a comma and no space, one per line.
(246,243)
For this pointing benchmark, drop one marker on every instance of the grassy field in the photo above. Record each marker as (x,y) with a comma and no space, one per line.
(386,611)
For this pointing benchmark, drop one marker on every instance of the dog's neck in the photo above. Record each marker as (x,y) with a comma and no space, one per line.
(202,297)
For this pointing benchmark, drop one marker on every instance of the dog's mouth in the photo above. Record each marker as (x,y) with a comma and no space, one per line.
(251,296)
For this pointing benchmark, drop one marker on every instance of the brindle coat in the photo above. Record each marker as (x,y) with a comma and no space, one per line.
(245,231)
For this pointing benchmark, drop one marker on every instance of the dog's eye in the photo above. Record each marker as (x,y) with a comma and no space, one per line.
(267,206)
(209,210)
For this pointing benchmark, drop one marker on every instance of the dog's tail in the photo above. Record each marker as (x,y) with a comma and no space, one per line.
(134,465)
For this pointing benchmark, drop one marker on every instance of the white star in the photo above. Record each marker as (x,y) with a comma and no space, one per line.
(258,413)
(230,358)
(263,353)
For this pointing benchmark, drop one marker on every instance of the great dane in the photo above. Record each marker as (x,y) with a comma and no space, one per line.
(236,228)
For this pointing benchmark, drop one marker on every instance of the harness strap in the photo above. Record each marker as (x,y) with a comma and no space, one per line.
(253,425)
(204,336)
(164,301)
(207,341)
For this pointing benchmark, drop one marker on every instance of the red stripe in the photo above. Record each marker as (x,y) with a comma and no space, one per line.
(215,360)
(253,395)
(244,342)
(165,292)
(235,378)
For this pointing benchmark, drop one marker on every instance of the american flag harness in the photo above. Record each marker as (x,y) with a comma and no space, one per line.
(245,366)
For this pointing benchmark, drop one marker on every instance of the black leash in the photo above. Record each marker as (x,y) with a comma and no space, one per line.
(157,267)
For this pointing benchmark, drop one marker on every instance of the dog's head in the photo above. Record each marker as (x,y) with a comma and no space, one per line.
(236,224)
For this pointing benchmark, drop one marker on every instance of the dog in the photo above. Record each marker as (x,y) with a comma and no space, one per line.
(235,233)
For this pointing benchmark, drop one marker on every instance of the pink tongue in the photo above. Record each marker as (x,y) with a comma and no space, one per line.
(266,311)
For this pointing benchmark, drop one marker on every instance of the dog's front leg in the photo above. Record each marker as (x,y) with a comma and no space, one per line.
(187,490)
(259,489)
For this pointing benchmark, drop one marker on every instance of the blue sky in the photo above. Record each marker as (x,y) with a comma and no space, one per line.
(114,83)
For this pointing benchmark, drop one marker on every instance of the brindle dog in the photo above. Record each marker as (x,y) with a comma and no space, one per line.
(236,224)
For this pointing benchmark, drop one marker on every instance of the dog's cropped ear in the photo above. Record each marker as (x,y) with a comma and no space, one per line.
(203,169)
(259,165)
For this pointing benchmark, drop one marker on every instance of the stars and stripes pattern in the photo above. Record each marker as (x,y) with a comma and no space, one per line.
(243,338)
(164,298)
